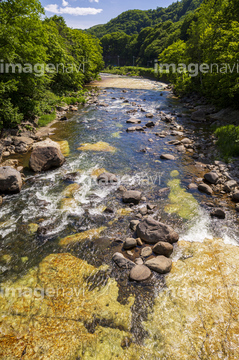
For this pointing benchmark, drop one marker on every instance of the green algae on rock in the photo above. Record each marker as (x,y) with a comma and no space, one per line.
(88,234)
(99,146)
(196,316)
(64,146)
(44,315)
(181,202)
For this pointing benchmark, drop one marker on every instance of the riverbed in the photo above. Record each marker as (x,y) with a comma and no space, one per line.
(57,233)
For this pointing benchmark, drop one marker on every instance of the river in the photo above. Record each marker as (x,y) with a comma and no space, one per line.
(38,225)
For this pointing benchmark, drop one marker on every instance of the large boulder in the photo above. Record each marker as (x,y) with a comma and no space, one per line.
(132,196)
(10,180)
(160,264)
(152,231)
(46,155)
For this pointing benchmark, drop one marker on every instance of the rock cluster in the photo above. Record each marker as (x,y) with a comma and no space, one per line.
(149,231)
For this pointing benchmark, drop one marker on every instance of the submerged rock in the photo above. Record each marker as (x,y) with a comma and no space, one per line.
(160,264)
(99,146)
(167,157)
(10,180)
(88,234)
(152,231)
(196,314)
(46,155)
(64,146)
(140,273)
(51,313)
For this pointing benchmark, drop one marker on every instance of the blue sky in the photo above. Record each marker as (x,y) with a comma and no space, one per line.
(82,14)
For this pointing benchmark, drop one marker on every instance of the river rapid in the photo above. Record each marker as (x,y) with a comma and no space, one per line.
(68,201)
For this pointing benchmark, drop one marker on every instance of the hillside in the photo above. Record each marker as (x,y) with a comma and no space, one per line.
(133,21)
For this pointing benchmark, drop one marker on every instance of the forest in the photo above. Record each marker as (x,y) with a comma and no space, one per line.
(41,60)
(206,37)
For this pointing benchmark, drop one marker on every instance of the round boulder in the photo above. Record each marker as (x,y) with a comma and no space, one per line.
(160,264)
(205,189)
(46,155)
(10,180)
(152,231)
(140,273)
(163,248)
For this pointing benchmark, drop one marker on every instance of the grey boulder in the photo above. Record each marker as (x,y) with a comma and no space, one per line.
(211,177)
(152,231)
(10,180)
(46,155)
(107,178)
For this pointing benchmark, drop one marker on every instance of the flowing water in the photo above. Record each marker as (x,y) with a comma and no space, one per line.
(66,201)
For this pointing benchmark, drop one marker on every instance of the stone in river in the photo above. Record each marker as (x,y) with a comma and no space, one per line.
(132,196)
(10,180)
(146,251)
(152,231)
(46,155)
(122,262)
(140,273)
(167,157)
(219,213)
(211,177)
(163,248)
(205,189)
(133,121)
(160,264)
(130,243)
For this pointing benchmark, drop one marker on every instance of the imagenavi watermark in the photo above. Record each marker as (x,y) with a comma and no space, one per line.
(41,69)
(194,69)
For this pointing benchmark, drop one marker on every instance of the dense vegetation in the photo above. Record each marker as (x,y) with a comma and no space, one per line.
(133,21)
(203,37)
(33,83)
(212,42)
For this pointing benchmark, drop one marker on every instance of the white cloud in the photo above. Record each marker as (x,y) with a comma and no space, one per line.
(65,3)
(94,1)
(71,10)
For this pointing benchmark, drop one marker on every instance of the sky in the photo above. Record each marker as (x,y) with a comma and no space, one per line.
(82,14)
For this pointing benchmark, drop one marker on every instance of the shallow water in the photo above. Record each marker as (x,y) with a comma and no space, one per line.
(47,210)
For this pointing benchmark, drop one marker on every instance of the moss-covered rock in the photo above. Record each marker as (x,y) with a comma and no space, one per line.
(99,146)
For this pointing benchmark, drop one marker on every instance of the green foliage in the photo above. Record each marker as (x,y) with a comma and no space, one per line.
(46,119)
(133,21)
(71,100)
(228,140)
(28,44)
